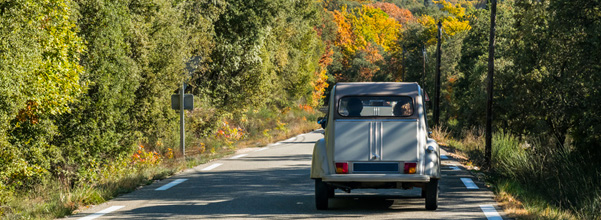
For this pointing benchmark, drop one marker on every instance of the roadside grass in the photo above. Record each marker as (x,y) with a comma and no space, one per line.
(57,197)
(531,179)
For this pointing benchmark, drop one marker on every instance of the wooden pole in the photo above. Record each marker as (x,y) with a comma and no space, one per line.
(436,113)
(491,71)
(423,78)
(403,67)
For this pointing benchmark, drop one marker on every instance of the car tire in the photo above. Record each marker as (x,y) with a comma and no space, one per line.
(424,192)
(321,194)
(432,194)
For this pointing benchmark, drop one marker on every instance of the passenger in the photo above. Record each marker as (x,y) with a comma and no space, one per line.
(354,107)
(403,108)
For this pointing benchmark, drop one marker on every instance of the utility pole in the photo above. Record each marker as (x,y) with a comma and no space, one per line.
(491,71)
(403,66)
(423,78)
(436,113)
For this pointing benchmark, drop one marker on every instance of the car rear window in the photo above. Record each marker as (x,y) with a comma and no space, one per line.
(375,106)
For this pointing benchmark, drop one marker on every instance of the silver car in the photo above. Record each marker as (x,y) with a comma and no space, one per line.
(376,136)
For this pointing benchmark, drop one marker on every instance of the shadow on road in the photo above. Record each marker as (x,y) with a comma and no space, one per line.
(288,192)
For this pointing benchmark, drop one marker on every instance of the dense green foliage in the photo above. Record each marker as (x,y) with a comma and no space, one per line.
(40,76)
(85,83)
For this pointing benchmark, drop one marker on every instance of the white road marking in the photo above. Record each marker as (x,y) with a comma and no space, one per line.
(469,184)
(171,184)
(455,168)
(212,166)
(490,212)
(102,212)
(278,143)
(444,157)
(238,156)
(262,149)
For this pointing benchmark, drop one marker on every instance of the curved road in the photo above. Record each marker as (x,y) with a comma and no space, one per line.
(273,182)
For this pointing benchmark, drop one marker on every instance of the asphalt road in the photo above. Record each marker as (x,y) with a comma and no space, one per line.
(273,182)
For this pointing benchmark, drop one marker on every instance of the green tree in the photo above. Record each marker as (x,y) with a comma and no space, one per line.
(39,77)
(266,51)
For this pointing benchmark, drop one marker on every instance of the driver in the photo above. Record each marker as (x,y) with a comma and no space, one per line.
(354,107)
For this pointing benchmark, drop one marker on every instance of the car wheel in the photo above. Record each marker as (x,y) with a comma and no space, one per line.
(321,194)
(424,192)
(432,194)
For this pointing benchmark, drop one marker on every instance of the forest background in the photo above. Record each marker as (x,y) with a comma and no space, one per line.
(85,86)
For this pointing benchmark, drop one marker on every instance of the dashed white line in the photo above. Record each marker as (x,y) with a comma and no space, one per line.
(469,184)
(454,168)
(261,149)
(238,156)
(444,157)
(102,212)
(212,166)
(171,184)
(490,212)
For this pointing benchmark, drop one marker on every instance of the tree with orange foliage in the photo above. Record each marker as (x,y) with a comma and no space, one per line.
(320,84)
(344,34)
(364,35)
(401,15)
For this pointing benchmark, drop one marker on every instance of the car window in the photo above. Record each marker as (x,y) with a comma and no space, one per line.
(379,106)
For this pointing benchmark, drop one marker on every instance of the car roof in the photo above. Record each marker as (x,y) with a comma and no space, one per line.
(410,89)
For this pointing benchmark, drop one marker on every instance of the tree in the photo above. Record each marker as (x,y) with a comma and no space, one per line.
(367,36)
(401,15)
(40,76)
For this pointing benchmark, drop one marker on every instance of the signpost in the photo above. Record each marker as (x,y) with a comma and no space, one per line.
(183,102)
(188,102)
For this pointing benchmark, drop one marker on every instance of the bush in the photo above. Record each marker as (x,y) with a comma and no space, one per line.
(561,176)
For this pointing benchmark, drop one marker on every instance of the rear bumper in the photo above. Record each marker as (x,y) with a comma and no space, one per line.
(415,178)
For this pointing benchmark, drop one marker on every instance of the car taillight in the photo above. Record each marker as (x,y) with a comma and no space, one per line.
(410,168)
(342,168)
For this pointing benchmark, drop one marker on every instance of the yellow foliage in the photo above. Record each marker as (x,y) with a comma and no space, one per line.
(319,87)
(344,34)
(363,25)
(455,22)
(452,26)
(320,83)
(455,10)
(430,32)
(373,24)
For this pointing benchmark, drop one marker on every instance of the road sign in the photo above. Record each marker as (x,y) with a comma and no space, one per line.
(188,101)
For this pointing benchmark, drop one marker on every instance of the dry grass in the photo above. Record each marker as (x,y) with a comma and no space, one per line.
(521,204)
(512,206)
(470,147)
(516,201)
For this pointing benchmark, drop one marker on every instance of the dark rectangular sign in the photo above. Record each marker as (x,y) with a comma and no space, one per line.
(188,101)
